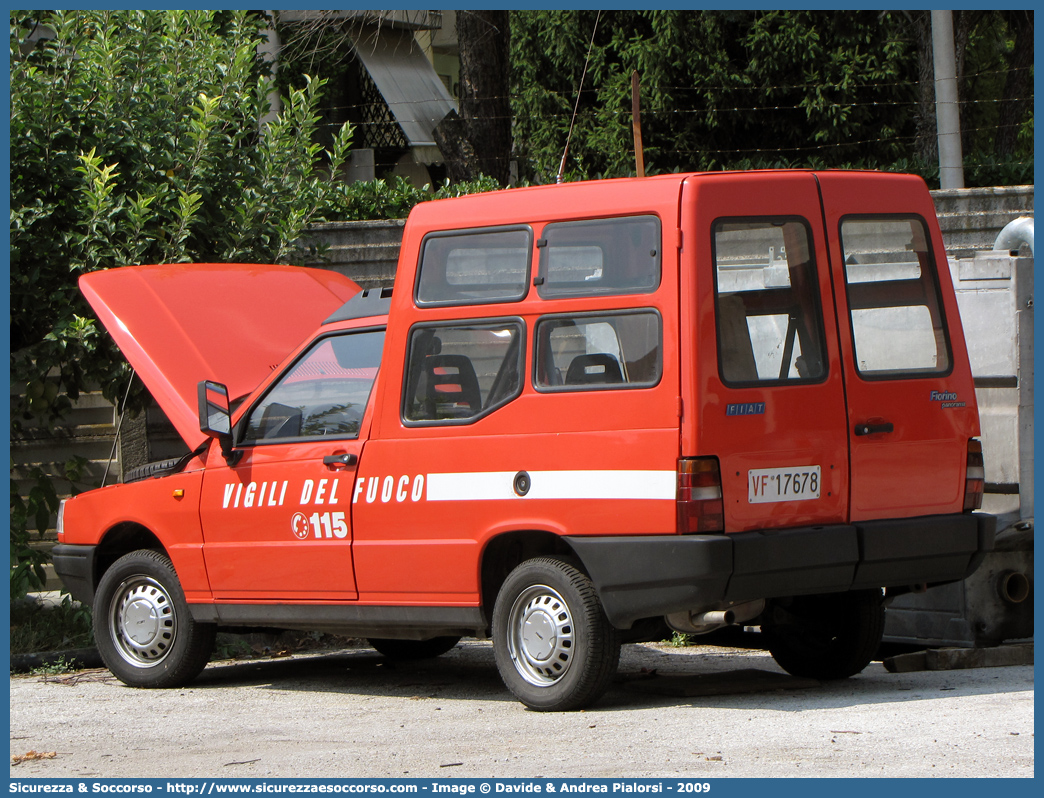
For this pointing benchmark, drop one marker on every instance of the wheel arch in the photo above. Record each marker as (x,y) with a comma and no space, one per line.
(123,538)
(506,550)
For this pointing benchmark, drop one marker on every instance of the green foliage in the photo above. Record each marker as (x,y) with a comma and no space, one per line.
(979,170)
(137,137)
(34,510)
(57,668)
(681,640)
(393,199)
(231,646)
(717,88)
(27,563)
(738,90)
(39,627)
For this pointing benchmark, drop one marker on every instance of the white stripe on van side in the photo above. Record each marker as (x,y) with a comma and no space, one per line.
(487,485)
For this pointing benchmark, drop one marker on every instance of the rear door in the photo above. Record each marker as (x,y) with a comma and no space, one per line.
(277,525)
(911,402)
(766,392)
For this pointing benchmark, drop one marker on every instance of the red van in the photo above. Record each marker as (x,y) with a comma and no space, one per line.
(586,410)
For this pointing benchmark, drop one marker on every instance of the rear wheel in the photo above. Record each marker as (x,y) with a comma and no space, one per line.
(142,625)
(413,649)
(826,637)
(554,647)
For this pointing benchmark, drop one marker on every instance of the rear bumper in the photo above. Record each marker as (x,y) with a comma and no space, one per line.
(644,576)
(74,565)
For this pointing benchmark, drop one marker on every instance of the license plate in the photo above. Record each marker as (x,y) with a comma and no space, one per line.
(782,484)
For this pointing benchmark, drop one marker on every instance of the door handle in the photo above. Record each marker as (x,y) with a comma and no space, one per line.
(874,428)
(340,460)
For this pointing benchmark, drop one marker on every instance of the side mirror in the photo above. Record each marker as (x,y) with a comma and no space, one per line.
(215,418)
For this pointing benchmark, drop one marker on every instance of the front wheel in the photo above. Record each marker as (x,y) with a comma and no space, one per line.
(555,649)
(826,637)
(142,625)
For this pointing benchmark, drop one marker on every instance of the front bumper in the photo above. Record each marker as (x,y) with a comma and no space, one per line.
(74,565)
(644,576)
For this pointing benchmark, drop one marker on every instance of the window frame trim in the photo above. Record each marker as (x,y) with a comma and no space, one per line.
(541,272)
(817,301)
(622,386)
(462,233)
(451,323)
(885,376)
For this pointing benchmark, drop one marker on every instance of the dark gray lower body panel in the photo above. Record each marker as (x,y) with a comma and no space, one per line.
(416,623)
(642,576)
(74,565)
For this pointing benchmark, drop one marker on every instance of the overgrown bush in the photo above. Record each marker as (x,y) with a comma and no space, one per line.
(50,627)
(393,198)
(34,510)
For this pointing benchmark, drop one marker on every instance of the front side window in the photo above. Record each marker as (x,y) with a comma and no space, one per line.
(474,266)
(770,325)
(323,394)
(600,256)
(459,372)
(618,350)
(897,321)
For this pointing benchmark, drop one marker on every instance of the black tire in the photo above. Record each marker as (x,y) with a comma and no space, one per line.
(555,649)
(826,637)
(157,469)
(413,649)
(140,595)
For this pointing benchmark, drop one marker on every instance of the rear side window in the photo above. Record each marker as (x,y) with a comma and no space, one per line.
(323,394)
(601,256)
(894,303)
(605,351)
(769,321)
(477,266)
(459,372)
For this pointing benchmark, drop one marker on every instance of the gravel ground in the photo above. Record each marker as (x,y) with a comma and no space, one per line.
(695,712)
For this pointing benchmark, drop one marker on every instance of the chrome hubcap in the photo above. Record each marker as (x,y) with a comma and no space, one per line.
(540,635)
(142,621)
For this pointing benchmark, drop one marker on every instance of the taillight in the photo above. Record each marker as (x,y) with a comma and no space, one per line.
(61,520)
(975,479)
(700,508)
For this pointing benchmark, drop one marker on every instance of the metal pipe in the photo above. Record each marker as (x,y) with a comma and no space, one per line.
(1014,587)
(714,617)
(119,426)
(269,49)
(1014,235)
(947,111)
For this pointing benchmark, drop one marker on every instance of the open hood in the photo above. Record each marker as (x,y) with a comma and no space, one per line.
(181,323)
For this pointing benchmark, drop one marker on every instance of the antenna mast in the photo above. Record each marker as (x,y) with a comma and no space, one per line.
(569,136)
(636,125)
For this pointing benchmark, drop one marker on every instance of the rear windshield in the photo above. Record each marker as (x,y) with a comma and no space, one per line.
(894,303)
(770,326)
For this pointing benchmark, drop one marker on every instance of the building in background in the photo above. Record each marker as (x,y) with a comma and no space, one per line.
(394,76)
